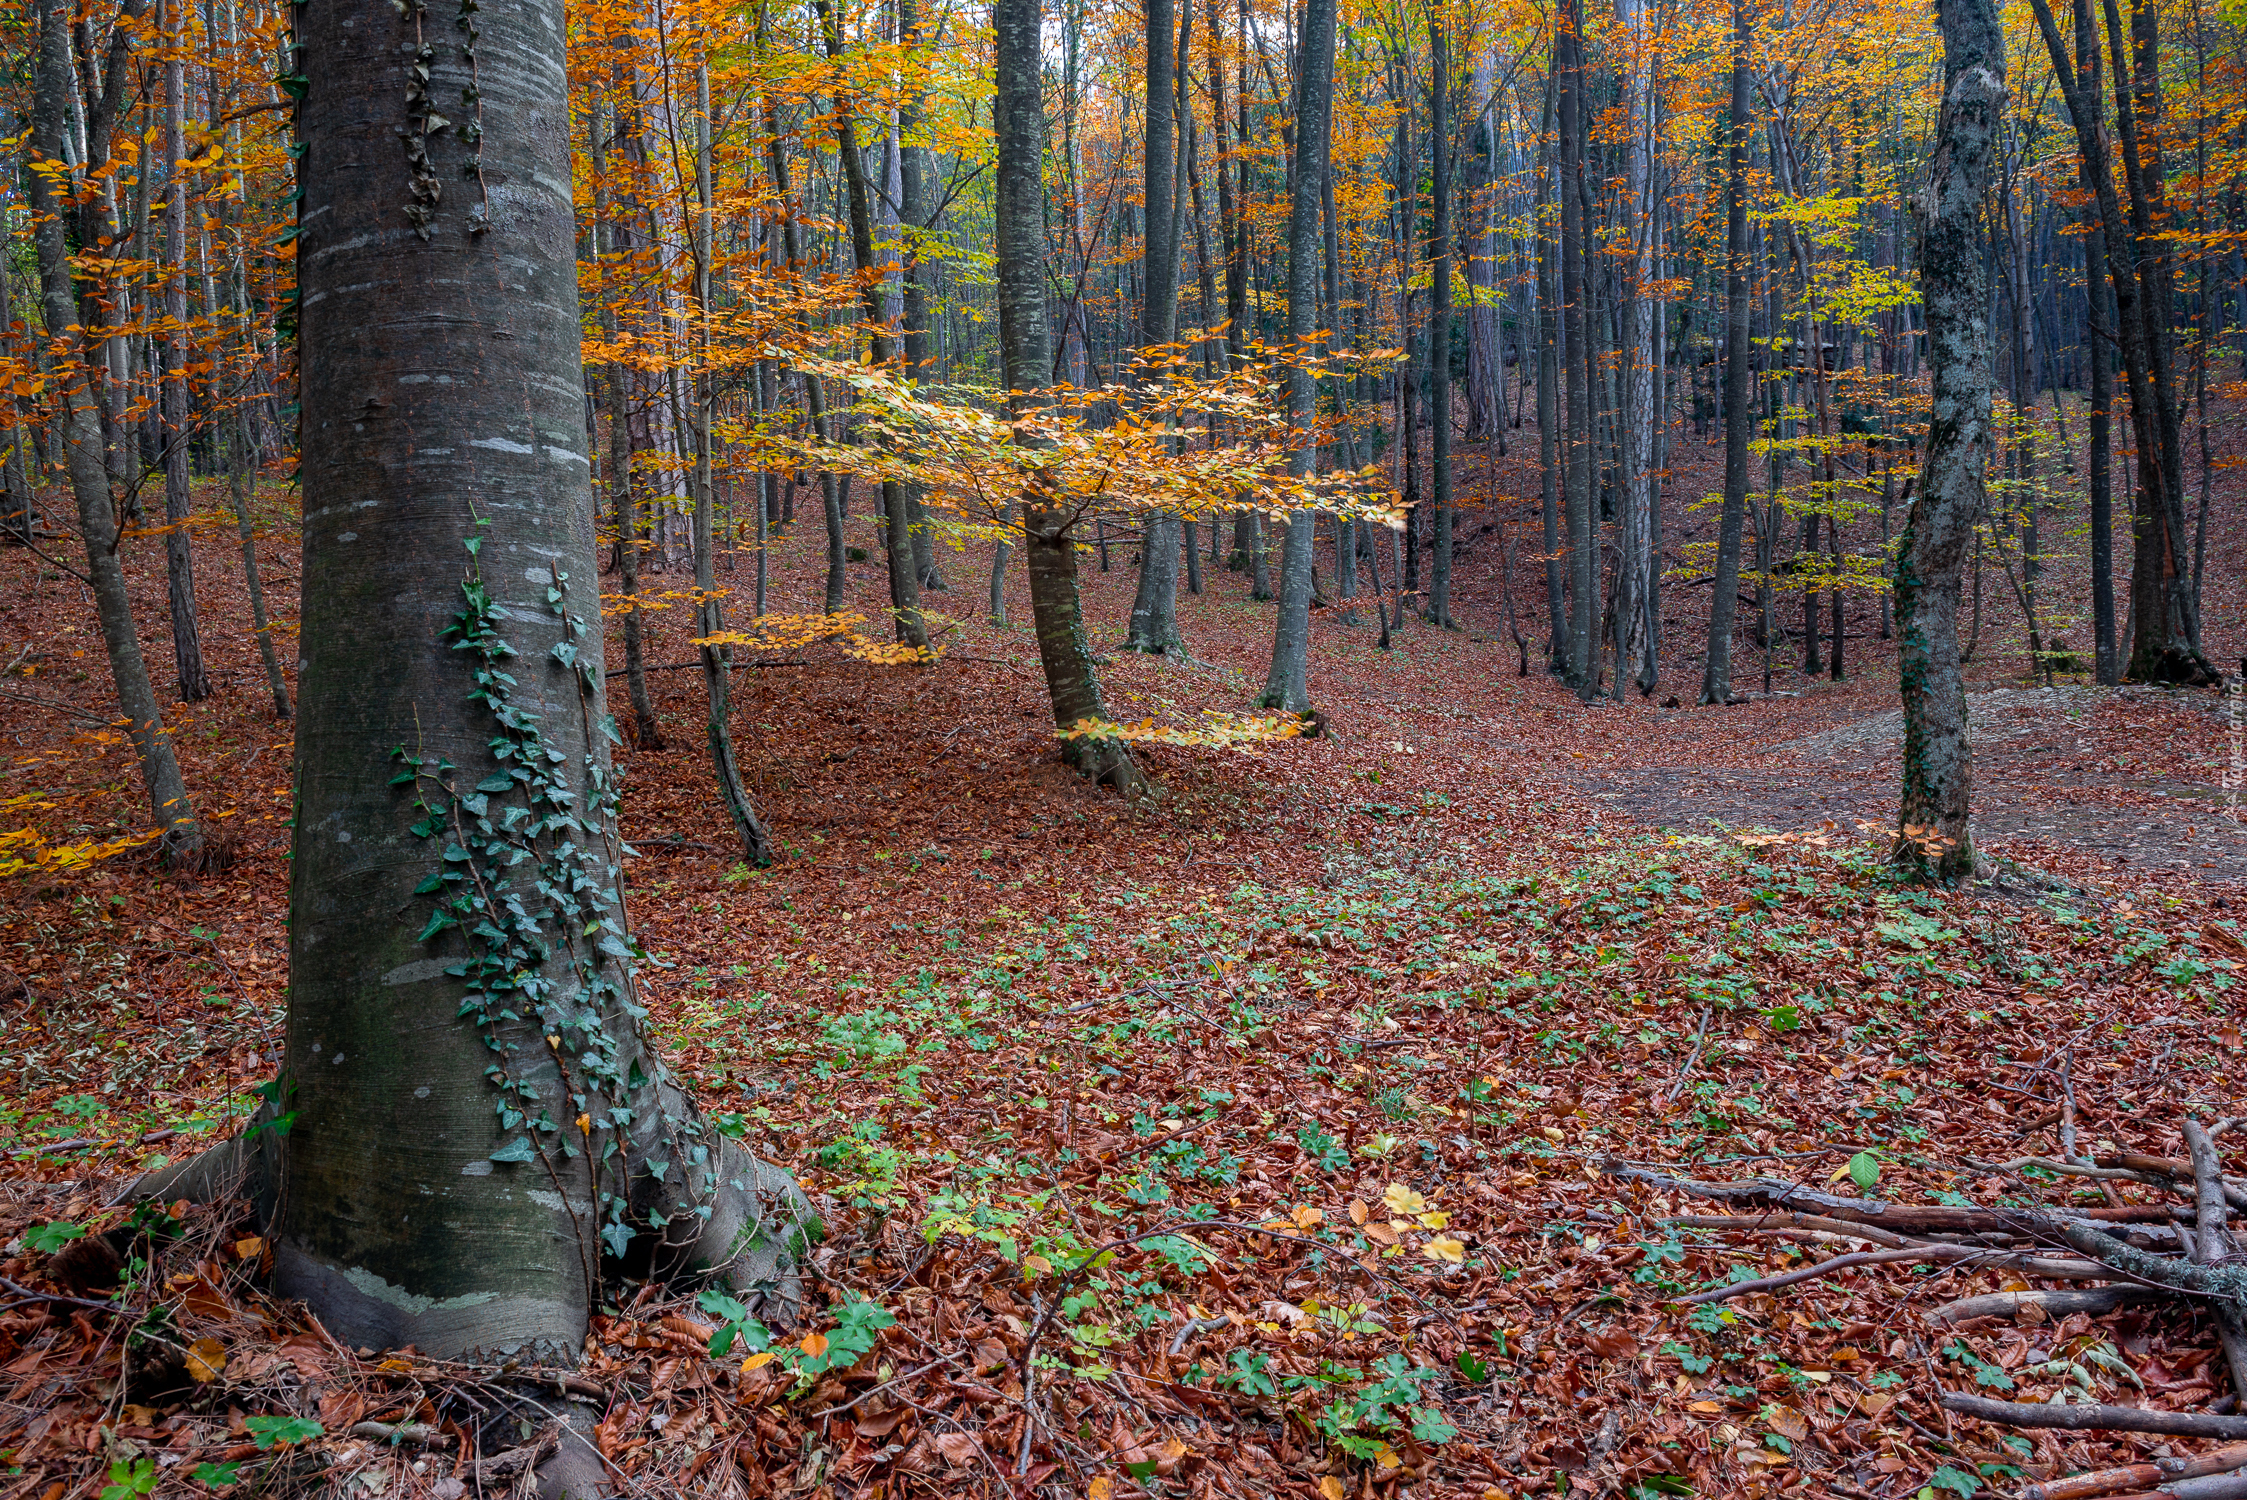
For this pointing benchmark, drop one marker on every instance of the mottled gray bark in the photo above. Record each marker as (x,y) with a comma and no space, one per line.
(481,1129)
(1287,684)
(1636,643)
(896,518)
(1933,835)
(1154,605)
(1583,522)
(179,542)
(1716,671)
(915,212)
(1439,320)
(1025,347)
(80,427)
(1549,458)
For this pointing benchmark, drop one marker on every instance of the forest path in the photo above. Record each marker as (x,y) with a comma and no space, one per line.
(2090,774)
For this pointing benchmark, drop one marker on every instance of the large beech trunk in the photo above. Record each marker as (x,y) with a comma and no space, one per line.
(1933,837)
(476,1124)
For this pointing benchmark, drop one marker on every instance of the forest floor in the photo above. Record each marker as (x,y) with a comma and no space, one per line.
(1412,992)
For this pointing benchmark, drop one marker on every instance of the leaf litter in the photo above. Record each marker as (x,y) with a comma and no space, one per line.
(1291,1135)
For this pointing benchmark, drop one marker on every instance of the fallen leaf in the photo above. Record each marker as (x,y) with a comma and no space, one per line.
(1359,1213)
(814,1345)
(1447,1248)
(1331,1488)
(1403,1200)
(206,1360)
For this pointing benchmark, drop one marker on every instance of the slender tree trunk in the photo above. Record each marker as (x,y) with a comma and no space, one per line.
(1287,685)
(1154,608)
(1934,838)
(646,735)
(1439,319)
(1050,550)
(1549,457)
(179,504)
(710,618)
(896,519)
(1635,655)
(1583,522)
(1716,676)
(242,482)
(915,213)
(80,430)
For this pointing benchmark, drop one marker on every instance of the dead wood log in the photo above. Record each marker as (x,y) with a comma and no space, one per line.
(2213,1487)
(2094,1418)
(2178,1173)
(2138,1476)
(1902,1218)
(2059,1270)
(2214,1245)
(2056,1305)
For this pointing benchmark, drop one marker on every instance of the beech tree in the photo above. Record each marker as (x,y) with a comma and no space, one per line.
(471,1130)
(1933,835)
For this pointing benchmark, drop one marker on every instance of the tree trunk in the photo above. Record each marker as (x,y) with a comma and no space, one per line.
(1716,674)
(915,213)
(1933,835)
(179,504)
(1635,655)
(1439,320)
(896,518)
(481,1131)
(181,841)
(1287,684)
(1583,522)
(1050,551)
(1154,607)
(1549,458)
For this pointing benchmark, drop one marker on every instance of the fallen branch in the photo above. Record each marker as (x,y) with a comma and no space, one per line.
(2056,1305)
(2094,1418)
(2214,1244)
(2138,1476)
(1905,1218)
(418,1434)
(2065,1270)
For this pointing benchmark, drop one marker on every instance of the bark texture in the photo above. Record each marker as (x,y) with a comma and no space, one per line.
(1025,345)
(1287,684)
(478,1125)
(1716,671)
(1933,836)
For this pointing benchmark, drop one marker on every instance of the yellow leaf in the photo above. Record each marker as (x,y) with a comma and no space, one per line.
(585,1124)
(249,1249)
(1101,1488)
(1445,1247)
(1331,1488)
(1307,1217)
(1551,1134)
(1403,1200)
(756,1362)
(1435,1219)
(1034,1266)
(814,1345)
(206,1358)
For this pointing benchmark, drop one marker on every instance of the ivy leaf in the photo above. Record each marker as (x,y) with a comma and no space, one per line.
(518,1149)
